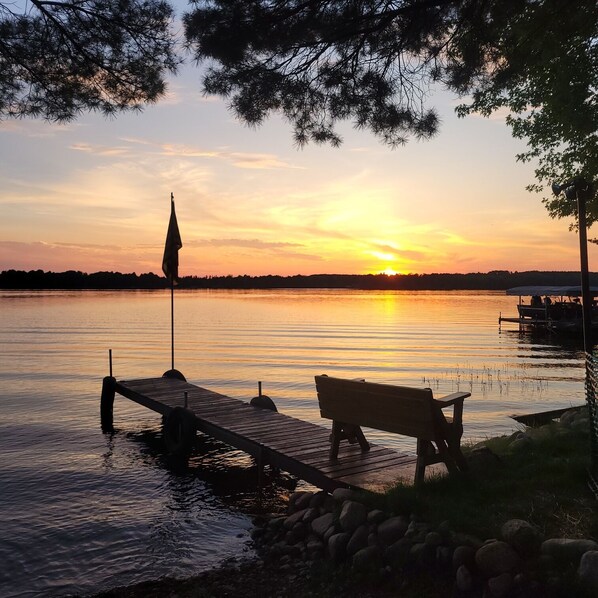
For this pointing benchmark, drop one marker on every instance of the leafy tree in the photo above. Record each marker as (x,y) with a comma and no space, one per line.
(60,57)
(373,61)
(545,75)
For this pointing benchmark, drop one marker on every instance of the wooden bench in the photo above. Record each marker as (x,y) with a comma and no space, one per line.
(414,412)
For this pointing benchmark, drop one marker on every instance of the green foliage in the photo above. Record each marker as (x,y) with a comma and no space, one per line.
(323,61)
(58,58)
(545,75)
(318,62)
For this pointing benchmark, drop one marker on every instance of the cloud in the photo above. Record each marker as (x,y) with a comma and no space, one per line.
(246,160)
(409,254)
(238,159)
(100,150)
(248,243)
(265,161)
(37,128)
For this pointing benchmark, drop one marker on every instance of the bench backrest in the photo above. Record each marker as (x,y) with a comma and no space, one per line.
(399,409)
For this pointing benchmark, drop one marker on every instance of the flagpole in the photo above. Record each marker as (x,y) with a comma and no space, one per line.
(172,321)
(172,304)
(170,267)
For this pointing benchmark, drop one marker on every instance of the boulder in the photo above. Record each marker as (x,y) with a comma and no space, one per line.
(463,579)
(397,554)
(427,556)
(310,515)
(501,585)
(495,558)
(359,540)
(417,531)
(567,550)
(444,529)
(329,505)
(522,536)
(416,552)
(337,546)
(353,514)
(392,529)
(466,540)
(300,530)
(318,499)
(444,556)
(328,533)
(464,555)
(343,494)
(302,500)
(367,559)
(376,516)
(314,548)
(587,573)
(297,516)
(321,524)
(433,539)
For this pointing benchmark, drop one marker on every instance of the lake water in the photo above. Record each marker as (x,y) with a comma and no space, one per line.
(81,511)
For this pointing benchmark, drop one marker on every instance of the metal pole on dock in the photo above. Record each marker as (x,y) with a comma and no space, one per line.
(172,322)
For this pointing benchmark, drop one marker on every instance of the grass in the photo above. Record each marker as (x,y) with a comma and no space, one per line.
(543,482)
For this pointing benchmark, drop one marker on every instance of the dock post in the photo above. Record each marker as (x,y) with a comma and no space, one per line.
(107,403)
(260,469)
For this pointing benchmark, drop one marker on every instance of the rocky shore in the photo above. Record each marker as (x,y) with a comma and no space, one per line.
(337,545)
(396,550)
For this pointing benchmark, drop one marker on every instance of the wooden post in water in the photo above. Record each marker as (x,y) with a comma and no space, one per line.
(107,399)
(107,403)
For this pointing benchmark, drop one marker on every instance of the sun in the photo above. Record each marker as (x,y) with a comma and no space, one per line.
(390,272)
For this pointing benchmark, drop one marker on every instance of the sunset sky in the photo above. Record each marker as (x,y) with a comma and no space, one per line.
(94,195)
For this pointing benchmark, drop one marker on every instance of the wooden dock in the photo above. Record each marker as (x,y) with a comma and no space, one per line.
(295,446)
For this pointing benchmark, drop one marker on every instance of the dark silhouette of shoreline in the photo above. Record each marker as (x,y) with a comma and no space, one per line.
(495,280)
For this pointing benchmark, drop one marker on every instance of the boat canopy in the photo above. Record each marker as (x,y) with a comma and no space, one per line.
(574,291)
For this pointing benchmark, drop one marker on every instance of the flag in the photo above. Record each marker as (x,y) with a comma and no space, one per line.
(170,261)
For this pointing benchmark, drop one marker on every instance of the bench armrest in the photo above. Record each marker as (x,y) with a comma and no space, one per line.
(456,400)
(453,398)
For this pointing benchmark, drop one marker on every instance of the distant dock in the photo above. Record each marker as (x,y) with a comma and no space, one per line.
(292,445)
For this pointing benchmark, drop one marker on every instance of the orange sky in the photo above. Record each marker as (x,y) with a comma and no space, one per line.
(94,195)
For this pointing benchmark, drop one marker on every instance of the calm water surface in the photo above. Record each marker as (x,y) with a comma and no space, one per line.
(81,511)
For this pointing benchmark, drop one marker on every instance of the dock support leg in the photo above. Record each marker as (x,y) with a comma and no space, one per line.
(260,469)
(107,403)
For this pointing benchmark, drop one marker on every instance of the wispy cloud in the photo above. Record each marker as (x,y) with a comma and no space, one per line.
(101,150)
(245,160)
(248,243)
(37,128)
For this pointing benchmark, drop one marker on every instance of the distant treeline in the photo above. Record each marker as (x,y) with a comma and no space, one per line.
(495,280)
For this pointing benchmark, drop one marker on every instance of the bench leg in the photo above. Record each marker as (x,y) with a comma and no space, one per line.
(359,435)
(350,432)
(446,456)
(335,439)
(454,449)
(423,450)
